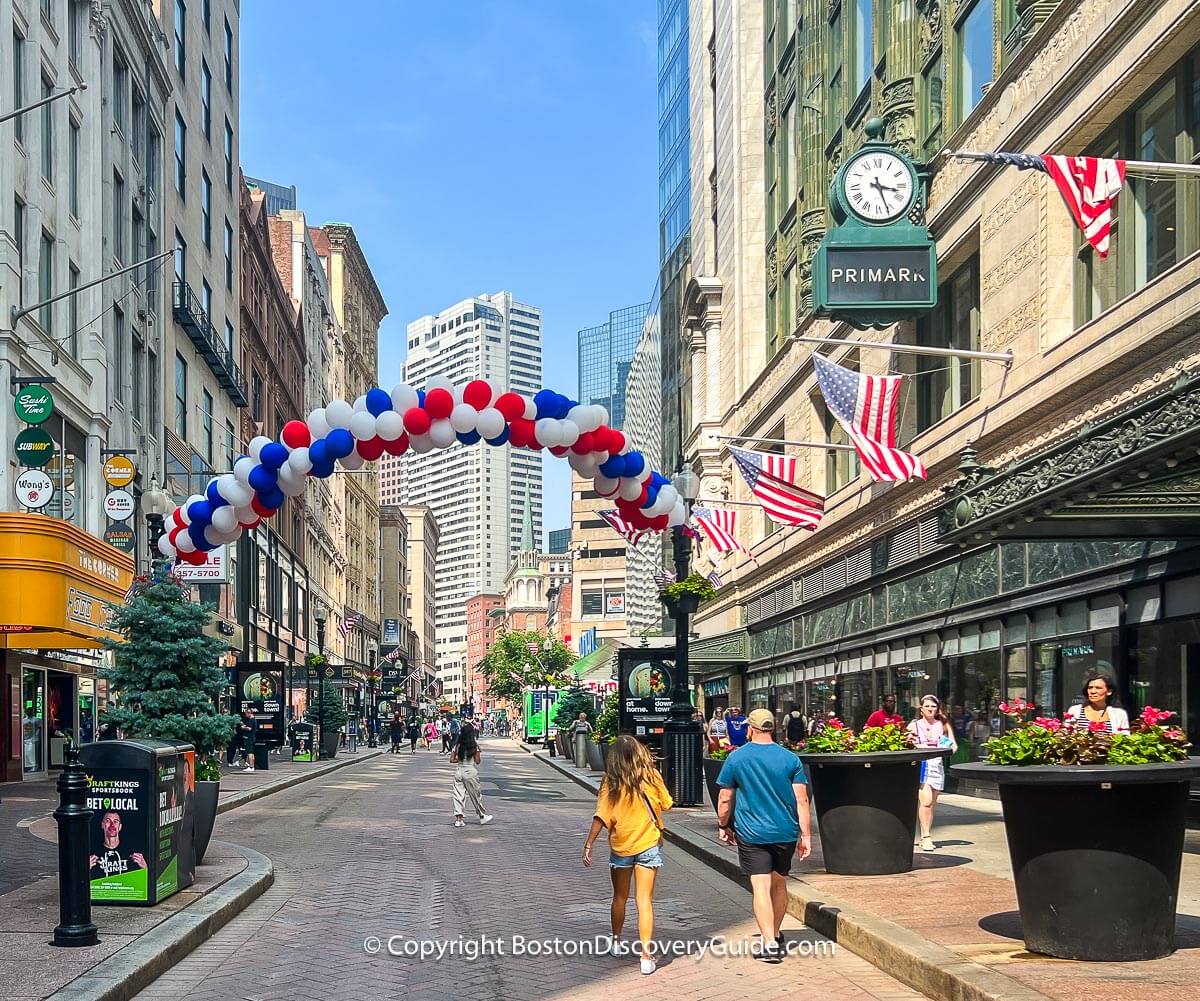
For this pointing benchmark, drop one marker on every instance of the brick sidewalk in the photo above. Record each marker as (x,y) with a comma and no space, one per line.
(371,851)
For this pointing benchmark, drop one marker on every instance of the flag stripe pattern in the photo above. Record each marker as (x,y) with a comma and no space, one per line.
(865,405)
(624,529)
(780,498)
(782,467)
(348,624)
(663,578)
(1087,184)
(715,580)
(718,525)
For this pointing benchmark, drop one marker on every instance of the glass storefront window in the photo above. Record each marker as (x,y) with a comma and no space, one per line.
(33,720)
(855,699)
(910,683)
(1161,657)
(974,694)
(821,697)
(1060,666)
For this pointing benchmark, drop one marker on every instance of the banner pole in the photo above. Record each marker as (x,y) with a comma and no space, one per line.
(786,441)
(1142,167)
(1003,357)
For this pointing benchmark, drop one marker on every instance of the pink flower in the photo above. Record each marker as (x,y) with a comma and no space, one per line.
(1173,733)
(1048,723)
(837,724)
(1152,717)
(1096,726)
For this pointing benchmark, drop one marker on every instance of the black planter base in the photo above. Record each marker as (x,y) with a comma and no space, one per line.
(711,770)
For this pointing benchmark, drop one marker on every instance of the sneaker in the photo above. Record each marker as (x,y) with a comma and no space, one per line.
(648,965)
(487,818)
(927,844)
(768,952)
(459,822)
(248,768)
(781,944)
(616,947)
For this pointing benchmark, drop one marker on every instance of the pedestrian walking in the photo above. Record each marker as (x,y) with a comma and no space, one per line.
(248,731)
(465,757)
(886,714)
(763,807)
(1096,707)
(429,734)
(414,734)
(736,727)
(931,729)
(443,730)
(716,730)
(396,731)
(795,727)
(630,806)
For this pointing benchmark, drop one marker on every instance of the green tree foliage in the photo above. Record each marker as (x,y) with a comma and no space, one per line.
(509,667)
(606,722)
(571,703)
(165,675)
(327,707)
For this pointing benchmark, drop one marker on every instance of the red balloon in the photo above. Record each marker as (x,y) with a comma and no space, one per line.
(438,404)
(177,514)
(478,394)
(253,525)
(616,441)
(520,432)
(397,447)
(584,443)
(296,434)
(260,508)
(559,450)
(511,405)
(196,558)
(371,449)
(660,523)
(600,439)
(174,533)
(417,421)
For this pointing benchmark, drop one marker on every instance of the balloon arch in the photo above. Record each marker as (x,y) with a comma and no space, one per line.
(418,420)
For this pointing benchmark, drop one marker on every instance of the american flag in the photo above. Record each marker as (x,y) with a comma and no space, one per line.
(663,578)
(1088,186)
(624,529)
(715,580)
(865,405)
(781,499)
(348,624)
(137,587)
(782,467)
(718,525)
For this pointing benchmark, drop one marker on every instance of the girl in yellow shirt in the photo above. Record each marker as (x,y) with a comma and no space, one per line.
(630,805)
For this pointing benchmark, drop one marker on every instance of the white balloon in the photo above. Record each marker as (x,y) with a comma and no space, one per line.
(588,466)
(246,516)
(184,543)
(224,482)
(569,432)
(456,394)
(257,444)
(293,487)
(576,462)
(299,461)
(464,417)
(404,397)
(530,410)
(546,431)
(606,487)
(678,514)
(224,538)
(338,414)
(362,425)
(630,488)
(420,443)
(318,423)
(243,467)
(600,457)
(441,433)
(224,518)
(360,404)
(389,425)
(490,422)
(580,415)
(668,495)
(213,535)
(439,382)
(599,416)
(352,461)
(240,495)
(165,546)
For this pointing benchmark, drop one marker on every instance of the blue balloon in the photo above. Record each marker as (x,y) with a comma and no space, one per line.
(546,403)
(199,513)
(318,452)
(420,397)
(214,496)
(261,478)
(273,455)
(651,496)
(657,478)
(564,407)
(196,533)
(322,470)
(378,401)
(613,467)
(340,443)
(468,437)
(635,464)
(272,498)
(500,439)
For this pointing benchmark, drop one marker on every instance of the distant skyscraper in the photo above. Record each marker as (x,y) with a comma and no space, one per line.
(279,197)
(604,355)
(478,494)
(560,539)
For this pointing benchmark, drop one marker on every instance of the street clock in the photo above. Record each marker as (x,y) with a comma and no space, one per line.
(876,186)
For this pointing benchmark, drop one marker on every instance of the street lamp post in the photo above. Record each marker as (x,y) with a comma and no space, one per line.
(547,646)
(373,715)
(683,738)
(321,683)
(156,505)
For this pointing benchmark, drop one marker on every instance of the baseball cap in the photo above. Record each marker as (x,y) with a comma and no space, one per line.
(762,719)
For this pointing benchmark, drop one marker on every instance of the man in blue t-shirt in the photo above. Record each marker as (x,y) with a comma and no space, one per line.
(736,727)
(765,782)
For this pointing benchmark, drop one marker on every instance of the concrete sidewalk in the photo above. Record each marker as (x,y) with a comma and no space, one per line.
(950,928)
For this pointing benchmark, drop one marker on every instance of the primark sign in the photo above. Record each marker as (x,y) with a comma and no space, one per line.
(880,276)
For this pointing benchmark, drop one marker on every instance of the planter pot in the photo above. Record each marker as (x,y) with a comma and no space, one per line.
(604,753)
(563,744)
(867,808)
(1095,852)
(329,743)
(711,770)
(595,758)
(206,815)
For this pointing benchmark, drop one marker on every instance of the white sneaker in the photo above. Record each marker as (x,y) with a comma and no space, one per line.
(460,823)
(616,947)
(648,965)
(487,818)
(248,768)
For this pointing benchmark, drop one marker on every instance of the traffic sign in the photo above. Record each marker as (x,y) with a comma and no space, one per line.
(121,538)
(33,447)
(34,404)
(34,489)
(119,471)
(118,504)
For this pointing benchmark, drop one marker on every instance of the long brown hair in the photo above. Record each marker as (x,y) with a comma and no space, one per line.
(628,770)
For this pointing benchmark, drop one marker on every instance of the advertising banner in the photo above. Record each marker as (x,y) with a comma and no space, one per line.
(120,854)
(260,688)
(644,679)
(391,631)
(176,795)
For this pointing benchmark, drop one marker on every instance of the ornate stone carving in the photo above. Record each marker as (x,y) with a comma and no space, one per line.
(725,647)
(897,94)
(772,269)
(999,218)
(770,115)
(901,131)
(1025,317)
(929,31)
(1016,261)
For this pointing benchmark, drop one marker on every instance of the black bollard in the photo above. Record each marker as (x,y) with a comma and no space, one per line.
(74,817)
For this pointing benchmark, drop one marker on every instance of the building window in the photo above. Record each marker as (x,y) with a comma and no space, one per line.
(206,423)
(229,439)
(138,124)
(120,77)
(72,340)
(228,336)
(118,240)
(931,105)
(228,56)
(864,61)
(73,167)
(206,208)
(19,240)
(119,362)
(138,228)
(228,155)
(206,16)
(206,99)
(946,384)
(75,16)
(836,107)
(206,299)
(256,395)
(18,75)
(974,38)
(786,144)
(180,397)
(48,133)
(591,603)
(180,257)
(138,395)
(152,270)
(841,466)
(180,154)
(46,281)
(1098,283)
(228,256)
(180,35)
(152,394)
(153,159)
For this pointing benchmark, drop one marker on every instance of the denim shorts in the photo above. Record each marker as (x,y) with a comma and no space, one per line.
(651,858)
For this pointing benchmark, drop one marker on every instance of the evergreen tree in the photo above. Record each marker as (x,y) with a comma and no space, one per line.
(165,676)
(571,703)
(332,713)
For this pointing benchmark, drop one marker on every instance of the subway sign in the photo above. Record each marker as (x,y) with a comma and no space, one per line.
(33,447)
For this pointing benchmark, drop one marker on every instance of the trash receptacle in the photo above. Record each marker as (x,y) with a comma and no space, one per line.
(142,795)
(262,757)
(302,741)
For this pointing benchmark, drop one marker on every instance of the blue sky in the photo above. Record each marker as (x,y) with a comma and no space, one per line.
(474,146)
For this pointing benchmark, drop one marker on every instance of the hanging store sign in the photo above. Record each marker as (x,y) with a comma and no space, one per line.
(34,489)
(34,404)
(214,571)
(119,471)
(120,537)
(119,505)
(33,447)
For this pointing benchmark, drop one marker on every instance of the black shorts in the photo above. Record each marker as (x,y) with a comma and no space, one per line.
(759,860)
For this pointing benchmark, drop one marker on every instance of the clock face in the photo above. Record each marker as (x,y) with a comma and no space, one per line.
(878,187)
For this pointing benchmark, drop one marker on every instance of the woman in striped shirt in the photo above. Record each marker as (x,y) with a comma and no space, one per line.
(1095,710)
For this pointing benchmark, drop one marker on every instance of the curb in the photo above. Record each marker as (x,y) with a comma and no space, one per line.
(932,969)
(250,795)
(144,960)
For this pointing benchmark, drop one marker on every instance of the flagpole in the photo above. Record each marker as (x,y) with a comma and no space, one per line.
(720,502)
(1003,357)
(786,441)
(1147,167)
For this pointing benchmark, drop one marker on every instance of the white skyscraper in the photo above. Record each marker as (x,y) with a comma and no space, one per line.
(478,493)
